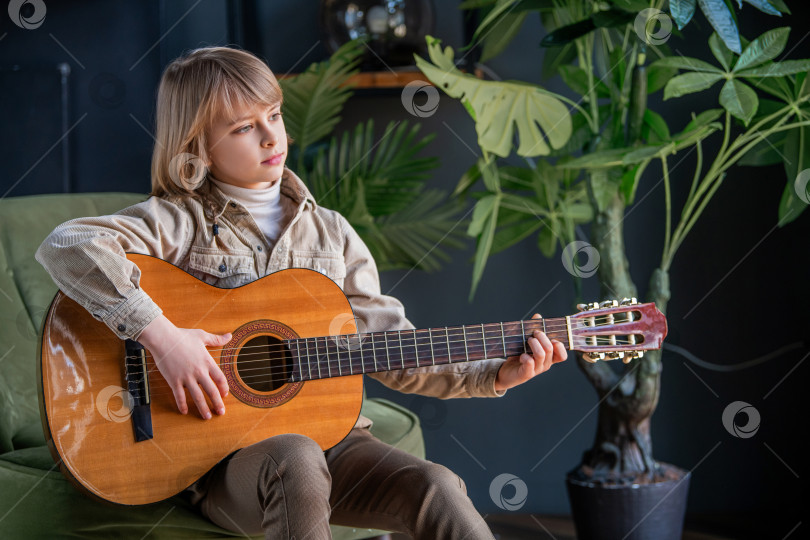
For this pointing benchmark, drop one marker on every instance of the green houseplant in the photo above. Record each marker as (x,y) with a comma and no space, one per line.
(612,55)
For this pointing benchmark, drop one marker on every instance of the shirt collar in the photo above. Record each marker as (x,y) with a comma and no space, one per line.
(291,186)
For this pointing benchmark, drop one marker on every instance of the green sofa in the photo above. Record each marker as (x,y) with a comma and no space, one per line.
(36,501)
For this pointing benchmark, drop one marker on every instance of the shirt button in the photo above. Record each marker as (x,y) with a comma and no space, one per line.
(122,327)
(222,267)
(258,248)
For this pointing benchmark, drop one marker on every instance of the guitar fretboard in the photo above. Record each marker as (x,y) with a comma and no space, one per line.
(353,354)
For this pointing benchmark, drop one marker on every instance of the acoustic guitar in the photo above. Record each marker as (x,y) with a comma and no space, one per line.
(294,365)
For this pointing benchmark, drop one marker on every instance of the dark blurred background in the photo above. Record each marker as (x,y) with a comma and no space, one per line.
(77,98)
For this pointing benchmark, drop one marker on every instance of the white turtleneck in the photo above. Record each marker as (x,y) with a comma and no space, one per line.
(263,204)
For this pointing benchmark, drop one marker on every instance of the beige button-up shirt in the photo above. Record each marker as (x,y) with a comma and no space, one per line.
(216,240)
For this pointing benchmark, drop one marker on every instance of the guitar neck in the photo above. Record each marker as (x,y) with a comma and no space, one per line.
(353,354)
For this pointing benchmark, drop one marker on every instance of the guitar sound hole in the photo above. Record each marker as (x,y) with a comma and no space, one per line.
(264,364)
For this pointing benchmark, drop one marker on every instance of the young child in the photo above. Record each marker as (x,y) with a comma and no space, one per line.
(242,216)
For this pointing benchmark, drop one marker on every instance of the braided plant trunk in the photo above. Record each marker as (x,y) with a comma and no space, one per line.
(622,450)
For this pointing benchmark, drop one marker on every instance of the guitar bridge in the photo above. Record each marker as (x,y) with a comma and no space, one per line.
(137,377)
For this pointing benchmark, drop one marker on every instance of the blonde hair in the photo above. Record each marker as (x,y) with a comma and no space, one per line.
(196,90)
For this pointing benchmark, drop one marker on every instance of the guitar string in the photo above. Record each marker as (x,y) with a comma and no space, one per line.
(361,365)
(408,342)
(326,364)
(429,334)
(268,376)
(159,386)
(442,345)
(363,347)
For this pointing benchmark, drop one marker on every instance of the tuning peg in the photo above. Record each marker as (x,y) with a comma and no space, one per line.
(593,357)
(614,355)
(629,301)
(631,355)
(587,307)
(609,303)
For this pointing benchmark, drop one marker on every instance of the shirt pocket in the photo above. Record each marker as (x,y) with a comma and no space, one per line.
(332,265)
(222,269)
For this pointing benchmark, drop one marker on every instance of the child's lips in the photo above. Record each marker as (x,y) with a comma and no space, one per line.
(275,160)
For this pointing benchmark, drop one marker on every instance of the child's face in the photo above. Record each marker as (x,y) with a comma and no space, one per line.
(250,152)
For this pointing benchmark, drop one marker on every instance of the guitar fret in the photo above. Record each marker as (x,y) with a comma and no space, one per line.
(447,335)
(484,340)
(328,361)
(336,341)
(523,330)
(362,360)
(317,358)
(503,339)
(432,355)
(373,353)
(466,352)
(349,355)
(300,369)
(328,365)
(401,351)
(387,353)
(309,366)
(415,348)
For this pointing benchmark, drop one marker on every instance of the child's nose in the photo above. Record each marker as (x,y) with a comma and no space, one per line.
(269,137)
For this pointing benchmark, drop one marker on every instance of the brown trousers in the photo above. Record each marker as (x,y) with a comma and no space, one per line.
(287,487)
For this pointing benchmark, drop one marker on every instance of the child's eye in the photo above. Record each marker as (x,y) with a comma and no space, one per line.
(276,116)
(243,129)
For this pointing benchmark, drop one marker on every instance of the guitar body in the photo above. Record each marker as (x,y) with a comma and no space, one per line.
(86,409)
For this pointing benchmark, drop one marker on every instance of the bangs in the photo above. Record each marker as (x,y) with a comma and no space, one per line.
(230,96)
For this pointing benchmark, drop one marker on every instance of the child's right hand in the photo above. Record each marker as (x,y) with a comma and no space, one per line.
(186,364)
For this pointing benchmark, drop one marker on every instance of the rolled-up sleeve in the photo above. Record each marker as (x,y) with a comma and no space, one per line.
(86,258)
(378,312)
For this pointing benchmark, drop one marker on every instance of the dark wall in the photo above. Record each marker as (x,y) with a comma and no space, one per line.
(738,282)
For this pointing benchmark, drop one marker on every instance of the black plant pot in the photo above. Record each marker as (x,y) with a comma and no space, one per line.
(629,512)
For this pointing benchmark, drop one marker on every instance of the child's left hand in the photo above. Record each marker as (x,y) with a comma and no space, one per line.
(519,369)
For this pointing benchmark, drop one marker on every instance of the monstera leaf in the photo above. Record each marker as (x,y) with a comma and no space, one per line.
(498,108)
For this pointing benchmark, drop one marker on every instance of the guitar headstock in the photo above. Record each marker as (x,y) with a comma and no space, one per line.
(613,330)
